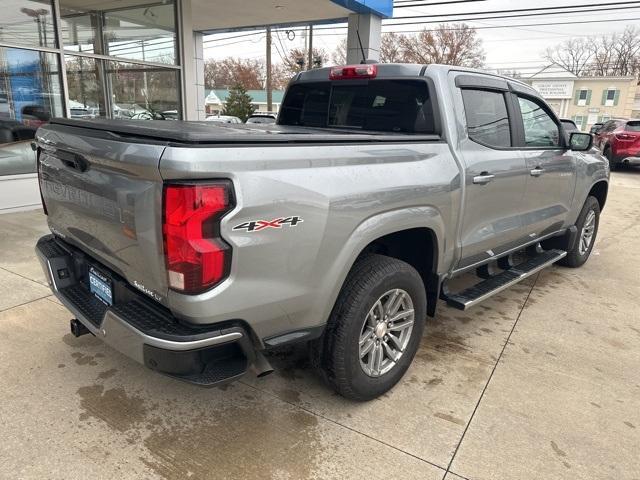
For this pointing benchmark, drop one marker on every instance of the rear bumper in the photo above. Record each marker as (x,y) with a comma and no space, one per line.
(634,160)
(147,333)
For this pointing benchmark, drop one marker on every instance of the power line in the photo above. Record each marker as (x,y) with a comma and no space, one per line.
(418,3)
(608,9)
(489,27)
(511,10)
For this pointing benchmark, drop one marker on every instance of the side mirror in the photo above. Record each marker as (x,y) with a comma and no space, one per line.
(580,142)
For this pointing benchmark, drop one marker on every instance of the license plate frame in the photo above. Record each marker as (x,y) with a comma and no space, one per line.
(101,286)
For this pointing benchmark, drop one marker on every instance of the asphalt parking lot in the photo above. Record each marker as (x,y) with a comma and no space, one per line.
(540,382)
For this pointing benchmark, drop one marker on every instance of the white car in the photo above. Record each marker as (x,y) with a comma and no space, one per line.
(223,119)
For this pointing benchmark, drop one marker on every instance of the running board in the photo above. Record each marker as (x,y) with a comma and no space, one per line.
(489,287)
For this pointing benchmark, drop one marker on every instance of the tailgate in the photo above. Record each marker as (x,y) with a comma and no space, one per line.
(103,194)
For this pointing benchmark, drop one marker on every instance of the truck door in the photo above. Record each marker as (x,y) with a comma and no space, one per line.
(551,168)
(495,173)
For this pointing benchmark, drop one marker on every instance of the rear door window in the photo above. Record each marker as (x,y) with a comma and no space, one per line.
(487,117)
(633,126)
(376,105)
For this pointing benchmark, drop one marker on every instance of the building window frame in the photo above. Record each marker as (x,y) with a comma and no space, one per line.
(60,52)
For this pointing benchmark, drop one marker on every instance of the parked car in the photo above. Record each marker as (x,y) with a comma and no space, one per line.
(16,155)
(148,116)
(619,141)
(341,226)
(223,119)
(569,127)
(595,128)
(261,118)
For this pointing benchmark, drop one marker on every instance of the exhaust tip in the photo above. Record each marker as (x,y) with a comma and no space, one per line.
(261,366)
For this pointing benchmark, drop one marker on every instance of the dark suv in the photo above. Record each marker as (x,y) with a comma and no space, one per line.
(619,141)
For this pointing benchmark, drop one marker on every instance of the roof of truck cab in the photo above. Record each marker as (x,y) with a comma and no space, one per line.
(394,70)
(170,131)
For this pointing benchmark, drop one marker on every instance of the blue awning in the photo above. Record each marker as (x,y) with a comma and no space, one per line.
(382,8)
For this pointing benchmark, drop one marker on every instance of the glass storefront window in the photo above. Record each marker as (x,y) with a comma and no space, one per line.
(30,95)
(143,92)
(86,87)
(27,22)
(144,32)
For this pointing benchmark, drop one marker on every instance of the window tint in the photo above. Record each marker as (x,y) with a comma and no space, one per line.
(540,130)
(378,105)
(633,126)
(487,118)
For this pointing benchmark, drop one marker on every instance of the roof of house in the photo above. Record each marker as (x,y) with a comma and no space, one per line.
(219,96)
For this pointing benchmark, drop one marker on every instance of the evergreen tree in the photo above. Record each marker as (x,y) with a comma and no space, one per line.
(238,103)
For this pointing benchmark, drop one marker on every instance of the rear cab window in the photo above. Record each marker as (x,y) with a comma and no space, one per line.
(401,106)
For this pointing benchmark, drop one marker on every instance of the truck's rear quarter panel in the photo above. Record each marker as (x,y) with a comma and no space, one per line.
(288,278)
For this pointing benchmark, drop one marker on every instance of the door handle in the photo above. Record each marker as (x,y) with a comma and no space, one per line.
(483,178)
(536,172)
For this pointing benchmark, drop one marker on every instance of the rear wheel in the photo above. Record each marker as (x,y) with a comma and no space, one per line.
(613,165)
(375,328)
(587,225)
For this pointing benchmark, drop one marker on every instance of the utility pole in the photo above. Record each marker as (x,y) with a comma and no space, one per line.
(310,59)
(269,93)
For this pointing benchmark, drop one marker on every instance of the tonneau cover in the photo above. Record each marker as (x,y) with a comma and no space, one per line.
(169,131)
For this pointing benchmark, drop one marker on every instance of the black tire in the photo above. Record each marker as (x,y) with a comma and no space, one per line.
(337,352)
(613,165)
(574,257)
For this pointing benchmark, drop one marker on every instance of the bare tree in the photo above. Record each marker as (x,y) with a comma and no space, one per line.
(573,55)
(391,48)
(339,55)
(453,44)
(606,55)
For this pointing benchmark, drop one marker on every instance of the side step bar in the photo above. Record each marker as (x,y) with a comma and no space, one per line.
(489,287)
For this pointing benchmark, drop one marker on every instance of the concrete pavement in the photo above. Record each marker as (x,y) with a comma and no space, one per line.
(542,381)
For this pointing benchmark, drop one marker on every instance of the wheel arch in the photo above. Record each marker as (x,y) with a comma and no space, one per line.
(600,190)
(402,234)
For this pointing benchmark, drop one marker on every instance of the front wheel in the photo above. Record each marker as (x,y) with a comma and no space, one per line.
(375,328)
(587,225)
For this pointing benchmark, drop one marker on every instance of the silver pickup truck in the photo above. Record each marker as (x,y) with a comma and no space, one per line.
(193,248)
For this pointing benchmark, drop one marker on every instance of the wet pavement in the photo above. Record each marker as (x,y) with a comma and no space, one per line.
(541,381)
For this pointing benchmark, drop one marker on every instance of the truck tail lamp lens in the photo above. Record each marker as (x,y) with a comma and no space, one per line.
(197,257)
(353,72)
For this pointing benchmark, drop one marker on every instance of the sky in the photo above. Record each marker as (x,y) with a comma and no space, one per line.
(514,47)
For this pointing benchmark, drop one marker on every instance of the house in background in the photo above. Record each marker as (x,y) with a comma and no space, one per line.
(215,99)
(588,100)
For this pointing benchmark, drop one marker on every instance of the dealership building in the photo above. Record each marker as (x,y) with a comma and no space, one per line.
(589,100)
(123,59)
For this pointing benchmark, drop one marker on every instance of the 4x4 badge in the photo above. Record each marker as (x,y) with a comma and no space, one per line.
(257,225)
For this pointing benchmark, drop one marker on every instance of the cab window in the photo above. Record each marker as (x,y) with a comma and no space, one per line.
(540,130)
(487,118)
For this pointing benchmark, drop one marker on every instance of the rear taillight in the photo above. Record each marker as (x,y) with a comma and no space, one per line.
(197,257)
(625,136)
(353,72)
(40,184)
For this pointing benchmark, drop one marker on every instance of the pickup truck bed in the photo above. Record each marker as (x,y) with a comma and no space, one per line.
(204,133)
